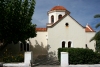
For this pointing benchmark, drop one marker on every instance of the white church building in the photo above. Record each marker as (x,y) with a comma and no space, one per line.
(64,31)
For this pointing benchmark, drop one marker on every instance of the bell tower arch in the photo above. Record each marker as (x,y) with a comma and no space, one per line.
(56,13)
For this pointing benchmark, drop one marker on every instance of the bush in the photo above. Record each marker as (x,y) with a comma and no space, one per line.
(17,58)
(80,55)
(8,57)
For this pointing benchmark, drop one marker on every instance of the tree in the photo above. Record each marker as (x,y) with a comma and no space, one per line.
(15,21)
(97,35)
(97,16)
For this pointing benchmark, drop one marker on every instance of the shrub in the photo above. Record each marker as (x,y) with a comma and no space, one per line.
(16,58)
(80,55)
(8,57)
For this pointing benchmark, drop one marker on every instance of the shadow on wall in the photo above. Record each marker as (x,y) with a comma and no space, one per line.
(41,51)
(38,49)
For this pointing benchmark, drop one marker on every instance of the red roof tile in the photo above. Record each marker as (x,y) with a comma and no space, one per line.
(41,29)
(89,29)
(58,8)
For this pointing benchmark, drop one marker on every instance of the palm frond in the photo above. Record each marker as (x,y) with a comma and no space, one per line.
(97,25)
(96,37)
(92,39)
(97,16)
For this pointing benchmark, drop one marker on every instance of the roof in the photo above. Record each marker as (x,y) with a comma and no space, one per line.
(58,8)
(41,29)
(89,29)
(62,19)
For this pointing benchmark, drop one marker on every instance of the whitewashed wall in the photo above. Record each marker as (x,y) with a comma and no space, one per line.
(74,33)
(91,45)
(55,14)
(41,41)
(40,38)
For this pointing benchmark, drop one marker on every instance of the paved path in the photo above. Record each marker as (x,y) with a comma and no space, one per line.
(95,65)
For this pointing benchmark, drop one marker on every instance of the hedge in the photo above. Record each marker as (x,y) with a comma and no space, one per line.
(16,58)
(80,55)
(8,57)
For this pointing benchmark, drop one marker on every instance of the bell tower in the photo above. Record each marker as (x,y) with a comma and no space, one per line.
(56,13)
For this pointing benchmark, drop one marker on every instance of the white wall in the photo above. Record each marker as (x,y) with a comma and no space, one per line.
(55,14)
(37,43)
(64,59)
(41,38)
(91,45)
(74,32)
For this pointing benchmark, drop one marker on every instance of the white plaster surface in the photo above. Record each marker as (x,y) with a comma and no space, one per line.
(40,38)
(55,14)
(13,65)
(28,58)
(74,32)
(64,59)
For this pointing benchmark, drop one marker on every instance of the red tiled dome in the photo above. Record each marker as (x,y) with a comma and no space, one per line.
(58,8)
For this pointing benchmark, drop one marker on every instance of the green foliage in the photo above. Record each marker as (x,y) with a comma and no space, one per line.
(97,16)
(8,57)
(16,58)
(96,37)
(80,55)
(15,20)
(97,45)
(97,25)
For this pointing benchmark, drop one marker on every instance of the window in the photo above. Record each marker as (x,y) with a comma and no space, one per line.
(63,44)
(24,47)
(66,24)
(21,47)
(52,19)
(27,46)
(69,44)
(59,17)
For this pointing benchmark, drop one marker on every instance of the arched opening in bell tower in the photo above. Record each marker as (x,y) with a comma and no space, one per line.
(52,19)
(59,16)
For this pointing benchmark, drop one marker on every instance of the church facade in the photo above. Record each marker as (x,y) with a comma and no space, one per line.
(64,31)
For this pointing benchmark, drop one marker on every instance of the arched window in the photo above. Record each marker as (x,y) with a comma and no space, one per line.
(27,46)
(63,44)
(59,16)
(21,47)
(69,44)
(24,46)
(52,19)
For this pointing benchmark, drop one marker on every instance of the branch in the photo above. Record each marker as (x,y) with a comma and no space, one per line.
(97,25)
(97,16)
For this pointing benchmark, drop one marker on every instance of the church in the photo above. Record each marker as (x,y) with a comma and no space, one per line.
(62,31)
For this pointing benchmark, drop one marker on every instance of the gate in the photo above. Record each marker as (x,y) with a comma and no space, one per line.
(46,60)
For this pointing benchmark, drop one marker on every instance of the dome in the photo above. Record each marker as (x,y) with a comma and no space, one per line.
(58,8)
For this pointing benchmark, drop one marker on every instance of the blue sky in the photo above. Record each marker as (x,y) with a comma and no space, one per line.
(81,10)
